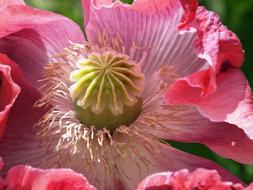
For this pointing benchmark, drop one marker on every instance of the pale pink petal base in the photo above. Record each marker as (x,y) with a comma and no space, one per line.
(184,180)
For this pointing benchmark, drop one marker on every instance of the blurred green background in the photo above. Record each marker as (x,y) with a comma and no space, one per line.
(237,15)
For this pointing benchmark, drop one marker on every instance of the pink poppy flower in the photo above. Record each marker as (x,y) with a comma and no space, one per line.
(98,106)
(200,179)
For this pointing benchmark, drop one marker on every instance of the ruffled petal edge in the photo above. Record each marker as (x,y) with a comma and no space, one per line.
(205,89)
(26,177)
(183,180)
(9,91)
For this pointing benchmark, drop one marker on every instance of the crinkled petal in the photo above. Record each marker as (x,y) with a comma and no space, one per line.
(214,42)
(184,180)
(155,157)
(9,91)
(28,178)
(221,92)
(231,102)
(31,37)
(146,27)
(190,7)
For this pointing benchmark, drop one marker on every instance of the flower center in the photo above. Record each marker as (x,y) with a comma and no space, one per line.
(93,101)
(107,90)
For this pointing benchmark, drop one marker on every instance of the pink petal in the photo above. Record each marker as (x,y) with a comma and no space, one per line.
(19,145)
(180,160)
(190,7)
(225,139)
(2,184)
(140,5)
(34,37)
(250,187)
(183,180)
(231,102)
(9,91)
(219,86)
(158,157)
(184,123)
(28,178)
(214,42)
(10,2)
(149,24)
